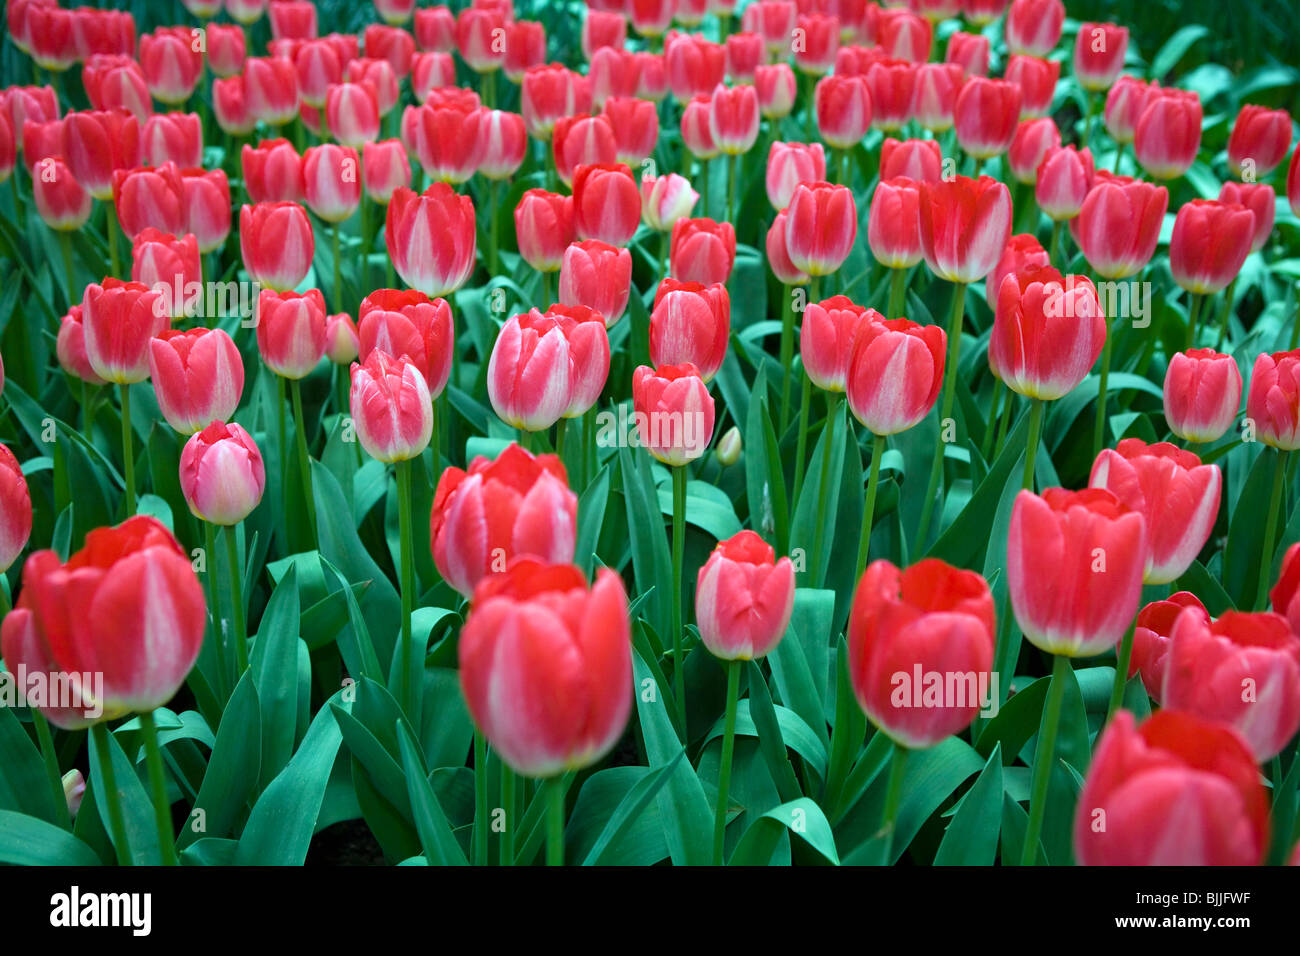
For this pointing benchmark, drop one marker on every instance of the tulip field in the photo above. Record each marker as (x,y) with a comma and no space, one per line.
(632,432)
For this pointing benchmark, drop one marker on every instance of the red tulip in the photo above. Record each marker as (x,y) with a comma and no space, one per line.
(815,42)
(36,103)
(1260,199)
(1064,178)
(965,224)
(99,144)
(15,509)
(695,66)
(674,412)
(546,665)
(745,53)
(171,65)
(172,137)
(1151,633)
(430,237)
(697,135)
(776,90)
(1048,331)
(71,348)
(651,76)
(530,371)
(127,607)
(665,200)
(904,36)
(291,331)
(1283,595)
(1034,139)
(271,89)
(525,43)
(1209,245)
(602,28)
(230,106)
(1177,791)
(986,115)
(733,119)
(895,373)
(929,627)
(788,165)
(1119,225)
(893,232)
(1273,402)
(937,85)
(198,377)
(702,251)
(612,73)
(435,29)
(636,127)
(226,49)
(319,66)
(1259,141)
(117,83)
(744,598)
(1097,549)
(549,93)
(827,333)
(1033,27)
(774,20)
(273,172)
(1202,394)
(384,167)
(822,225)
(916,159)
(431,71)
(1125,102)
(650,18)
(597,275)
(292,19)
(1099,51)
(381,76)
(1168,133)
(409,325)
(61,201)
(452,142)
(1022,252)
(893,93)
(970,51)
(606,203)
(1037,79)
(843,105)
(517,505)
(1242,671)
(222,474)
(582,140)
(544,228)
(119,318)
(391,407)
(690,325)
(50,37)
(168,265)
(352,113)
(477,39)
(332,181)
(276,242)
(1178,496)
(342,341)
(778,254)
(150,196)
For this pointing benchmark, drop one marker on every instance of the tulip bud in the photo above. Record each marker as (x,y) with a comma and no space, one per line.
(148,196)
(1034,139)
(1119,225)
(565,653)
(665,200)
(744,598)
(892,227)
(1259,141)
(1209,245)
(1037,80)
(697,135)
(1125,102)
(15,509)
(674,412)
(1273,402)
(1202,394)
(970,51)
(909,625)
(222,474)
(119,319)
(915,159)
(1099,51)
(291,331)
(207,202)
(778,254)
(703,251)
(733,119)
(332,181)
(97,145)
(498,510)
(1033,27)
(276,242)
(1177,791)
(788,165)
(430,237)
(895,373)
(690,324)
(776,88)
(408,324)
(826,337)
(598,276)
(893,93)
(529,372)
(391,408)
(606,203)
(1090,540)
(636,127)
(1048,331)
(198,377)
(986,115)
(1064,178)
(1168,133)
(821,228)
(729,447)
(172,137)
(71,348)
(61,201)
(342,341)
(544,228)
(352,112)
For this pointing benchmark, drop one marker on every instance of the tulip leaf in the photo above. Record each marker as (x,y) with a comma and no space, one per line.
(29,841)
(651,561)
(137,809)
(972,835)
(231,778)
(273,662)
(436,836)
(591,516)
(1174,49)
(24,786)
(801,817)
(627,814)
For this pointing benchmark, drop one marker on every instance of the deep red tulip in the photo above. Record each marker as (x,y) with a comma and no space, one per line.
(1202,394)
(408,324)
(743,598)
(1210,242)
(1259,141)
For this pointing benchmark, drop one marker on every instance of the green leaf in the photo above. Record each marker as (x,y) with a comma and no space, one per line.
(274,666)
(651,562)
(232,775)
(629,812)
(137,809)
(1175,49)
(972,836)
(801,817)
(24,786)
(591,516)
(436,837)
(28,841)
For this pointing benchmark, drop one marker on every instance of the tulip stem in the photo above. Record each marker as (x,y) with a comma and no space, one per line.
(664,238)
(281,447)
(1091,100)
(20,214)
(546,290)
(112,240)
(1036,406)
(237,601)
(1121,674)
(1007,407)
(304,459)
(408,688)
(560,429)
(495,226)
(1044,753)
(589,462)
(893,798)
(51,758)
(995,406)
(945,411)
(365,244)
(1270,530)
(158,785)
(704,187)
(128,456)
(823,490)
(897,292)
(1228,298)
(555,821)
(65,246)
(480,799)
(338,271)
(724,768)
(210,586)
(869,507)
(679,546)
(1099,430)
(1295,332)
(801,446)
(1119,155)
(787,353)
(731,187)
(1056,242)
(1193,316)
(112,796)
(509,785)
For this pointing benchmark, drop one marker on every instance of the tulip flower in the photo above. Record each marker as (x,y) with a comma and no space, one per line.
(1176,791)
(774,20)
(788,165)
(15,510)
(745,53)
(409,325)
(1242,670)
(98,144)
(1260,199)
(198,377)
(476,39)
(391,408)
(431,71)
(273,172)
(1202,394)
(1033,27)
(1168,133)
(1099,51)
(826,338)
(602,28)
(905,36)
(916,159)
(291,331)
(276,241)
(893,93)
(703,251)
(821,39)
(544,230)
(384,167)
(550,93)
(821,227)
(776,88)
(690,324)
(1020,253)
(170,266)
(733,118)
(584,141)
(352,113)
(894,373)
(1062,182)
(694,65)
(226,49)
(171,65)
(382,78)
(430,237)
(1210,242)
(222,474)
(529,372)
(1273,402)
(1125,101)
(119,319)
(1034,139)
(70,347)
(665,200)
(150,196)
(636,127)
(1283,596)
(1259,141)
(342,340)
(61,201)
(206,195)
(1151,633)
(483,518)
(937,85)
(172,137)
(985,116)
(893,233)
(606,203)
(970,51)
(597,275)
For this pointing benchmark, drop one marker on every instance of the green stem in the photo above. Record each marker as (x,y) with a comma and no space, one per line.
(846,171)
(945,412)
(365,244)
(495,221)
(546,290)
(237,600)
(1099,429)
(1122,660)
(787,352)
(1194,315)
(897,292)
(1224,320)
(113,228)
(1270,531)
(589,446)
(679,545)
(731,187)
(1007,407)
(1056,242)
(1036,406)
(508,789)
(1044,754)
(724,770)
(408,691)
(128,455)
(304,459)
(869,507)
(1295,332)
(704,187)
(893,799)
(51,758)
(65,246)
(338,271)
(801,445)
(560,429)
(664,240)
(1119,155)
(995,406)
(1091,114)
(480,799)
(158,787)
(555,821)
(112,796)
(20,213)
(210,585)
(823,490)
(282,448)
